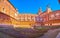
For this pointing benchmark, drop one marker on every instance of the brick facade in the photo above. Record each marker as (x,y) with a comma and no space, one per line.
(7,8)
(46,17)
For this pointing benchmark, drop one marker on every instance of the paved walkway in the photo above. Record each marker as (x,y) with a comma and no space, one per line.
(52,34)
(58,36)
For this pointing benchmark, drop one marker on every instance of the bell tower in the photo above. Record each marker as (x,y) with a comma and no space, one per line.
(48,9)
(40,11)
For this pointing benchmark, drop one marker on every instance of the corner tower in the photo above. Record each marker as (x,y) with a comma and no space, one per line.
(7,8)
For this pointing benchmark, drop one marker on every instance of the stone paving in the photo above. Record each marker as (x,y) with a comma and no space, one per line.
(52,34)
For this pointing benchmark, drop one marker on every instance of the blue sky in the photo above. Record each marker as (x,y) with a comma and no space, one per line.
(32,6)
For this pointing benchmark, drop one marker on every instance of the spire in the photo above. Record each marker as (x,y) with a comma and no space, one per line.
(48,9)
(40,11)
(17,10)
(59,1)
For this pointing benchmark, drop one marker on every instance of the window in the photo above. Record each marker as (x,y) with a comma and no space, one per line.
(57,14)
(15,14)
(26,19)
(39,19)
(3,9)
(52,16)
